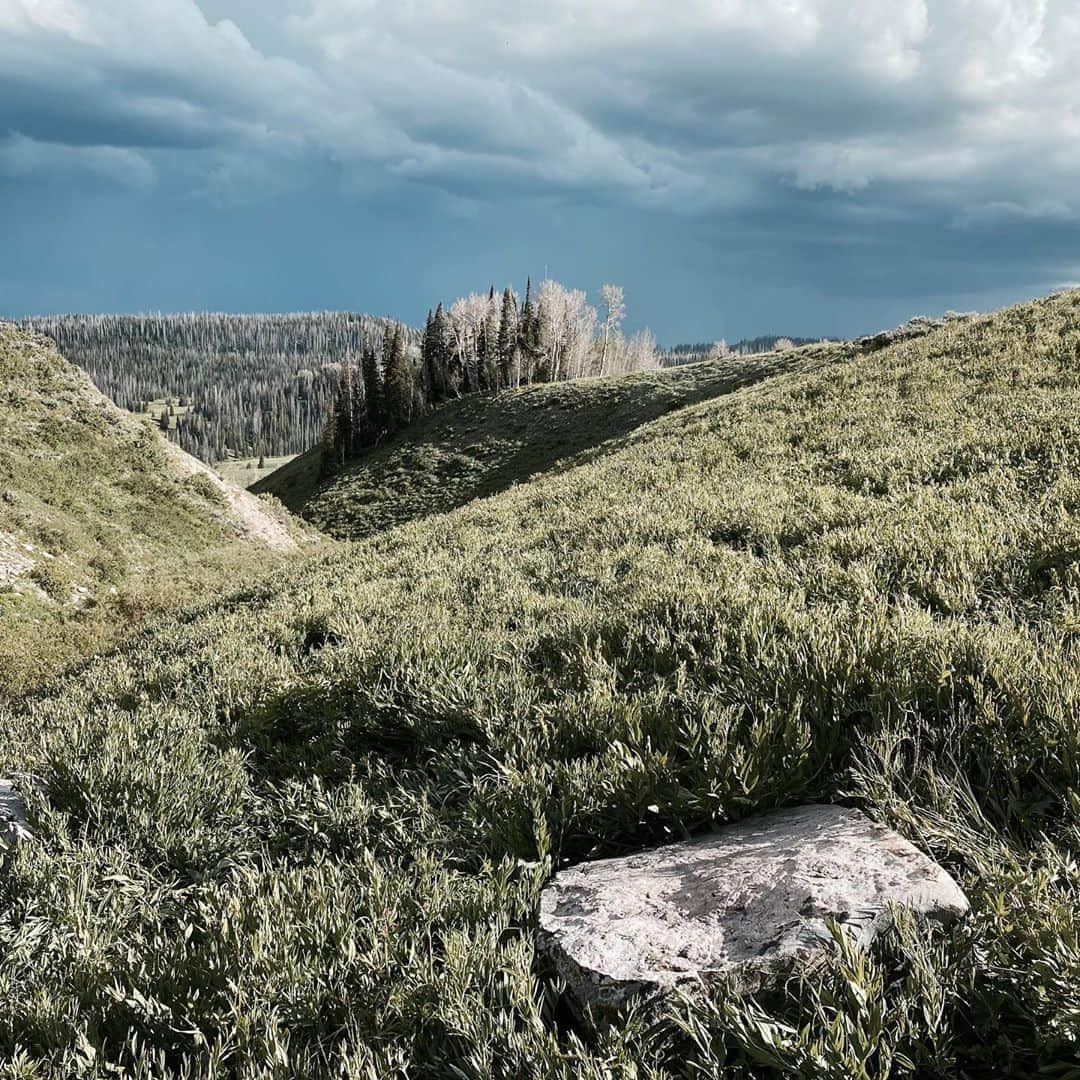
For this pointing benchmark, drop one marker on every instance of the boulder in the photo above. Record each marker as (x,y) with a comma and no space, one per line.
(744,904)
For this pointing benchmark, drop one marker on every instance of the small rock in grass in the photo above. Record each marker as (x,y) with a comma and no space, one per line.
(14,823)
(744,904)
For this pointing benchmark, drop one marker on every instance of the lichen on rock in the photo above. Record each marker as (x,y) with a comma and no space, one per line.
(744,904)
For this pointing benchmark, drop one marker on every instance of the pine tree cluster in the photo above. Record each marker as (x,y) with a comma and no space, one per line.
(480,344)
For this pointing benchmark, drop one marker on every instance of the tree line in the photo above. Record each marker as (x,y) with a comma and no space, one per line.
(253,385)
(480,342)
(676,355)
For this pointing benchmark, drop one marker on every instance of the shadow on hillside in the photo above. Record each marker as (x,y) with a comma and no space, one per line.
(483,444)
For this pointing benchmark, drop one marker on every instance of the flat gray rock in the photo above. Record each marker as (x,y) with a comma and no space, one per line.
(746,903)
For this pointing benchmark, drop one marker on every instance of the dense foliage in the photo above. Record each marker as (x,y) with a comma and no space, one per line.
(480,343)
(250,384)
(303,832)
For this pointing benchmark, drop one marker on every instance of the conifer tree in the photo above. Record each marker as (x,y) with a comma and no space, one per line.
(346,422)
(373,389)
(529,335)
(427,345)
(359,415)
(508,349)
(328,459)
(397,381)
(481,357)
(438,356)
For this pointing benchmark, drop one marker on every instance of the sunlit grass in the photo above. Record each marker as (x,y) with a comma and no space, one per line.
(116,535)
(304,831)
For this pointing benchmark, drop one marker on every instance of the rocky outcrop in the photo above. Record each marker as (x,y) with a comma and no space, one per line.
(746,903)
(250,515)
(917,327)
(16,559)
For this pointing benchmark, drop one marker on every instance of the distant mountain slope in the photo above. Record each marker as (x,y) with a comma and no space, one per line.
(483,443)
(248,384)
(93,505)
(309,824)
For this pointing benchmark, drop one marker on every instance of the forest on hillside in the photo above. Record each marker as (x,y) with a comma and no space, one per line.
(251,384)
(482,342)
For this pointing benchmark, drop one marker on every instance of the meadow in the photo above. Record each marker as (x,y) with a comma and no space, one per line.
(302,830)
(246,472)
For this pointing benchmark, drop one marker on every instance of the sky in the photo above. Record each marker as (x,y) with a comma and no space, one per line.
(740,167)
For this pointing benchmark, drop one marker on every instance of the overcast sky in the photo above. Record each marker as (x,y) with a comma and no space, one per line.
(739,166)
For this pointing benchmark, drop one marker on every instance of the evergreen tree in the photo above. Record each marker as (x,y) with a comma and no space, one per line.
(437,359)
(328,459)
(359,414)
(529,342)
(373,388)
(427,346)
(338,443)
(397,381)
(508,348)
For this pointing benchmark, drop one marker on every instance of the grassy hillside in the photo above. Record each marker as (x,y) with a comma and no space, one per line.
(304,831)
(99,527)
(483,443)
(294,481)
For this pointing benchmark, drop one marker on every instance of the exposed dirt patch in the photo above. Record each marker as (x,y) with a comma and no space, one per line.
(251,515)
(15,559)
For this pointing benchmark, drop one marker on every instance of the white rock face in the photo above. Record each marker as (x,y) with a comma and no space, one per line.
(745,903)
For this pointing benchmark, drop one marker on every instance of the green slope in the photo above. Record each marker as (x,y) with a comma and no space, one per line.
(303,832)
(483,443)
(99,526)
(294,482)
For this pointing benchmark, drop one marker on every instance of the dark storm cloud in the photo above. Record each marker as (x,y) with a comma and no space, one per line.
(741,165)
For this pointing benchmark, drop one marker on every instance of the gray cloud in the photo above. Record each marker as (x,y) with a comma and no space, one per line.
(623,95)
(803,125)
